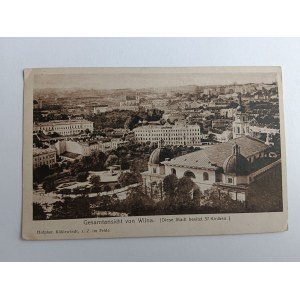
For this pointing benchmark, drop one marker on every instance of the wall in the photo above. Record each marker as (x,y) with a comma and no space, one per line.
(203,185)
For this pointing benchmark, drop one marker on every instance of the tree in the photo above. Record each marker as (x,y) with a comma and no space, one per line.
(41,172)
(124,163)
(82,176)
(38,212)
(104,203)
(95,180)
(72,208)
(179,196)
(111,160)
(223,203)
(137,203)
(107,188)
(170,185)
(48,185)
(138,165)
(185,185)
(128,178)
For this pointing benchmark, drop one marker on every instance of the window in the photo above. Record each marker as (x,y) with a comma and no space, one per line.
(230,180)
(154,170)
(173,171)
(205,176)
(189,174)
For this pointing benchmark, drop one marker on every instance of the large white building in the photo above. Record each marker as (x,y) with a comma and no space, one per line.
(87,148)
(178,134)
(62,127)
(43,157)
(231,166)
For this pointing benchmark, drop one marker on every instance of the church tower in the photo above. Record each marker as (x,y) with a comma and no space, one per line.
(240,124)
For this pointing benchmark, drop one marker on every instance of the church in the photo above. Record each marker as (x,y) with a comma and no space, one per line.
(231,166)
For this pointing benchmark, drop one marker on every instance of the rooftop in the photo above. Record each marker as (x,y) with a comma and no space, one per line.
(214,156)
(39,151)
(64,122)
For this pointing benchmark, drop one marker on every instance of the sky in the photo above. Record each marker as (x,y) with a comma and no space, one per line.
(146,80)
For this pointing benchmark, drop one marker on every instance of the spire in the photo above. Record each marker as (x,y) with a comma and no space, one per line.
(235,149)
(240,99)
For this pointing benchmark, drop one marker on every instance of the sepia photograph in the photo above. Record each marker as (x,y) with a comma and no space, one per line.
(177,147)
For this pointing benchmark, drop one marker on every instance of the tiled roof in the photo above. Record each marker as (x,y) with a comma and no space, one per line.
(197,159)
(214,156)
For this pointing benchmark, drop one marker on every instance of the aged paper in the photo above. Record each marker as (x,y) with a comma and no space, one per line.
(137,152)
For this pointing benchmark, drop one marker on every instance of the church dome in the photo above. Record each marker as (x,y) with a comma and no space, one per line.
(236,164)
(159,155)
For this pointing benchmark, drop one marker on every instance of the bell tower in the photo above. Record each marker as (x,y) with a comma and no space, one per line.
(240,125)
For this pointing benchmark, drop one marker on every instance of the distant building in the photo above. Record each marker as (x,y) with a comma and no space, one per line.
(227,112)
(178,134)
(159,102)
(63,127)
(223,137)
(130,101)
(88,147)
(102,109)
(43,157)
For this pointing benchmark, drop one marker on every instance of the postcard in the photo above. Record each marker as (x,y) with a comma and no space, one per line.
(140,152)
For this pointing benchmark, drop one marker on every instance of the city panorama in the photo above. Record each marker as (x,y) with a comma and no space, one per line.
(162,144)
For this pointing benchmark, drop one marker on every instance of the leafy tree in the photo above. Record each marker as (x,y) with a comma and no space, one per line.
(82,176)
(118,186)
(128,178)
(38,212)
(185,185)
(138,166)
(95,180)
(104,203)
(170,185)
(124,163)
(41,172)
(107,188)
(49,185)
(137,203)
(72,208)
(111,160)
(223,203)
(96,189)
(179,196)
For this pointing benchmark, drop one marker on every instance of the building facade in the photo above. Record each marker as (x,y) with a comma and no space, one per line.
(179,134)
(62,127)
(231,166)
(43,157)
(88,147)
